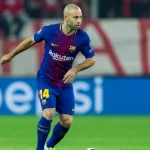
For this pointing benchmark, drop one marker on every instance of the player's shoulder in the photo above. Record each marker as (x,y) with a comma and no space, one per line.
(54,26)
(82,33)
(51,27)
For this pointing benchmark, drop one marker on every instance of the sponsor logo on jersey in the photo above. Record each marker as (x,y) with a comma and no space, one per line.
(39,31)
(58,57)
(91,50)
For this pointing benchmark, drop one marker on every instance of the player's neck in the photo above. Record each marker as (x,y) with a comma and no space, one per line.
(66,30)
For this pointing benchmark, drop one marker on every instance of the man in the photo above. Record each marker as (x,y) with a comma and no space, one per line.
(56,73)
(4,21)
(15,15)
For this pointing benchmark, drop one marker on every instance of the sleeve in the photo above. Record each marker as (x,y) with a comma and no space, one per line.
(40,35)
(87,50)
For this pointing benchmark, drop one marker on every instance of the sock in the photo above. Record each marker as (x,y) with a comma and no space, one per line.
(43,129)
(58,133)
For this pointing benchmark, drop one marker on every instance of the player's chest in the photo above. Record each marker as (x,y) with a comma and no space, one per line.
(65,45)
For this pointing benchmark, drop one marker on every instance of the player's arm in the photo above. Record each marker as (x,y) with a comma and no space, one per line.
(71,74)
(87,63)
(24,45)
(88,52)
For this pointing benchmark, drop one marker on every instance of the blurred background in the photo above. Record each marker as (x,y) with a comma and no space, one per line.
(115,91)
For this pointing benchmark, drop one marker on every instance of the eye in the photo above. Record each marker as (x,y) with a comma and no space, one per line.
(76,17)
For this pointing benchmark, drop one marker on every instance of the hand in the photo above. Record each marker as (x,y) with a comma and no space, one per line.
(70,75)
(6,58)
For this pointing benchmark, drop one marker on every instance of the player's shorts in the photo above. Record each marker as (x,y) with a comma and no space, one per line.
(51,96)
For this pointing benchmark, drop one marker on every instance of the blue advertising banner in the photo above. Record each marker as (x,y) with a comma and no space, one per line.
(126,95)
(17,96)
(94,96)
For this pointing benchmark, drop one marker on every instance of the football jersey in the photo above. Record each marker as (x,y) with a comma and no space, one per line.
(60,51)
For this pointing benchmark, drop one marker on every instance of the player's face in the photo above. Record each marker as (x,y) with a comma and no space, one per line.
(74,19)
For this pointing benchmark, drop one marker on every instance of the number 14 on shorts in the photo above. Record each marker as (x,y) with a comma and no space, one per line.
(44,93)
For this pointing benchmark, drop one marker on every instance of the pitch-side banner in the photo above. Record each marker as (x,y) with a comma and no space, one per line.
(93,96)
(122,47)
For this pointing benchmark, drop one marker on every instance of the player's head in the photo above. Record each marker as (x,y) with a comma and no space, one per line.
(72,16)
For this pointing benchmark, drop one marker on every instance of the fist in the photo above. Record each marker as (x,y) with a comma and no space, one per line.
(5,59)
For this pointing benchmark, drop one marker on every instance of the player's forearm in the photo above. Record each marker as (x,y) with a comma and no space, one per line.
(86,64)
(24,45)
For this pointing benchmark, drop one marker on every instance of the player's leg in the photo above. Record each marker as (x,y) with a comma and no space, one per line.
(44,126)
(60,129)
(48,104)
(65,107)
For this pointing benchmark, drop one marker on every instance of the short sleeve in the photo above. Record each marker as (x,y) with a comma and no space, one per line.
(87,50)
(40,35)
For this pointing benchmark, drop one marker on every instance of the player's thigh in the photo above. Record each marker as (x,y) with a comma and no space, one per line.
(66,102)
(46,94)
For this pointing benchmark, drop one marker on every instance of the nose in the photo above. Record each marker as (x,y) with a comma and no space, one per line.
(79,21)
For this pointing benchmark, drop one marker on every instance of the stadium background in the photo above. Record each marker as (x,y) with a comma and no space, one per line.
(112,98)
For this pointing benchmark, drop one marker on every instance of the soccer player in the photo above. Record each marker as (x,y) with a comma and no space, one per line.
(63,41)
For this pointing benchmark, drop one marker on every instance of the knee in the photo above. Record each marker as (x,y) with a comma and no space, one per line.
(49,113)
(66,122)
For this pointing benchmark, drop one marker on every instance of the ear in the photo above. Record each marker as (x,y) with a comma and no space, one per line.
(65,17)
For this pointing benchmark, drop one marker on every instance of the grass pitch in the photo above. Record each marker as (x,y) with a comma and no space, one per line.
(100,132)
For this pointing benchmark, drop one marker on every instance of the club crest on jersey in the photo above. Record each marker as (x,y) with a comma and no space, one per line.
(44,101)
(72,49)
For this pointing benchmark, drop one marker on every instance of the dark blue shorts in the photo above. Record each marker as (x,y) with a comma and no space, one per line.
(51,96)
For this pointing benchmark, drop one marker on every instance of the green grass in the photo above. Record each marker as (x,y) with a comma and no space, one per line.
(101,132)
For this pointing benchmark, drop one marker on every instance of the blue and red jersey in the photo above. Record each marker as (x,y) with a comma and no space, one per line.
(60,51)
